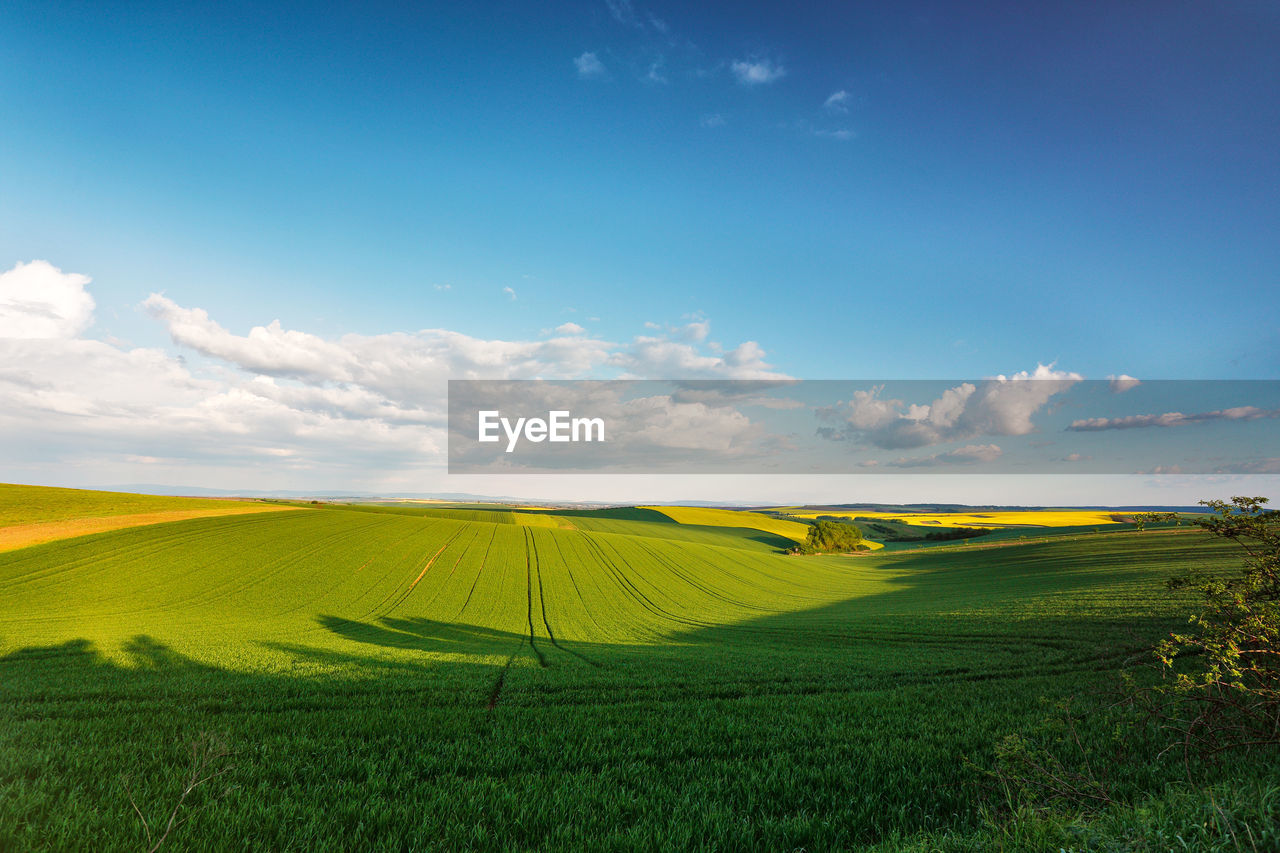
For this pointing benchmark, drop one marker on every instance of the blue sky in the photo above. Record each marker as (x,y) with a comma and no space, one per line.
(906,190)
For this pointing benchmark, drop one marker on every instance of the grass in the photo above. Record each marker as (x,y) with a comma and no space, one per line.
(391,678)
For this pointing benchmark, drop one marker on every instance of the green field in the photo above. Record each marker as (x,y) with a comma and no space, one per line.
(35,504)
(412,678)
(30,515)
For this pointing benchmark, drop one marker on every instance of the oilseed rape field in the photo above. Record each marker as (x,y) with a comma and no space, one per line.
(415,677)
(994,519)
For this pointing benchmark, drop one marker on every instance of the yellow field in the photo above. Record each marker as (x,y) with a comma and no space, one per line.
(733,518)
(1012,518)
(34,533)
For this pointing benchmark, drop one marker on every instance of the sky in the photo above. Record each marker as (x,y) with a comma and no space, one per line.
(245,246)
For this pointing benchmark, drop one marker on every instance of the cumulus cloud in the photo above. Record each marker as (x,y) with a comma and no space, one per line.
(396,363)
(837,102)
(1123,382)
(570,329)
(38,300)
(1171,419)
(755,73)
(510,291)
(712,120)
(589,65)
(997,406)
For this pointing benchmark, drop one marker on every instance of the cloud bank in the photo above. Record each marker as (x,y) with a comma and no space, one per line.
(364,406)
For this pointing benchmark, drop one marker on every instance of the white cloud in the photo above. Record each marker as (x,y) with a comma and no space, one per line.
(510,291)
(757,72)
(998,406)
(843,135)
(1171,419)
(589,65)
(38,300)
(1123,382)
(443,286)
(1004,406)
(837,102)
(697,330)
(661,357)
(270,349)
(276,400)
(712,120)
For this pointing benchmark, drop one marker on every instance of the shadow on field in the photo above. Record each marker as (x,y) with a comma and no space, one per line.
(822,728)
(991,614)
(423,634)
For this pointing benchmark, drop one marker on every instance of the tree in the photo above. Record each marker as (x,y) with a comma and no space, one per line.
(1225,668)
(831,537)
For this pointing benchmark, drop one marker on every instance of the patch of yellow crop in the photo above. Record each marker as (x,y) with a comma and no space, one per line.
(992,520)
(709,517)
(35,533)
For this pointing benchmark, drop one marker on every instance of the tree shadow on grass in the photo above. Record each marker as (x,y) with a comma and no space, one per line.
(421,634)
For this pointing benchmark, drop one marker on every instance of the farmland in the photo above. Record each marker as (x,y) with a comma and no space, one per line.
(994,519)
(30,515)
(418,677)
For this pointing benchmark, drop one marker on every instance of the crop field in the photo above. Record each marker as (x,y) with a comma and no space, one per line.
(30,515)
(711,517)
(995,519)
(412,677)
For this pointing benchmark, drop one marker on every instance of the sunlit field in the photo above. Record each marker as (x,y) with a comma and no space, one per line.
(411,677)
(1014,518)
(30,515)
(711,517)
